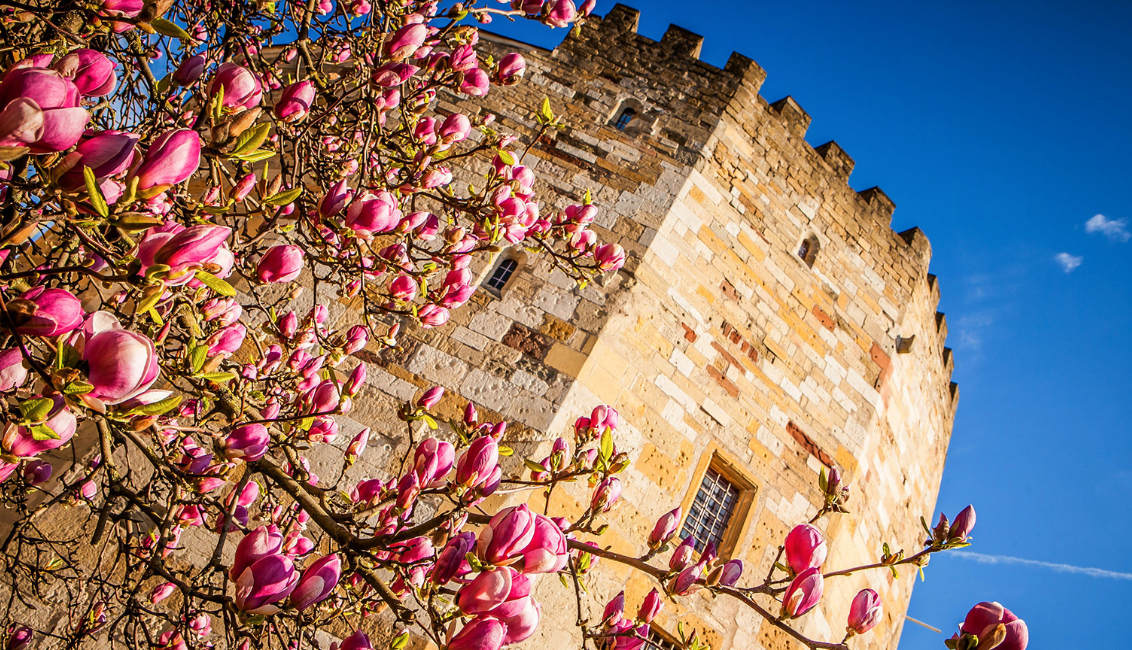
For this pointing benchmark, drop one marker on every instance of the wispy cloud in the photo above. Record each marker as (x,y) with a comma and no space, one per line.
(1053,566)
(1068,262)
(1114,229)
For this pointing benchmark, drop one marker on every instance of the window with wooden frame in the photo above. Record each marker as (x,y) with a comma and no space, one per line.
(718,504)
(660,641)
(504,271)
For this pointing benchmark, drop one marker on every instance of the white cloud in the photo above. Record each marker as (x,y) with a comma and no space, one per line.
(1063,568)
(1114,229)
(1068,262)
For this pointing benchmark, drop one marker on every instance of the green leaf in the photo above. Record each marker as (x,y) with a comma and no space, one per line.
(150,296)
(97,201)
(158,408)
(197,357)
(588,198)
(606,445)
(255,156)
(37,409)
(533,466)
(216,284)
(506,157)
(401,641)
(43,432)
(822,481)
(545,114)
(284,197)
(66,356)
(170,29)
(77,388)
(135,221)
(430,422)
(218,377)
(251,139)
(505,451)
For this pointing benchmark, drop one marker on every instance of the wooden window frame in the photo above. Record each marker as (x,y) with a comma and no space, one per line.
(729,467)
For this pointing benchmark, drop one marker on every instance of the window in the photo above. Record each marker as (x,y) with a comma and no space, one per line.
(711,511)
(502,274)
(624,118)
(660,642)
(808,250)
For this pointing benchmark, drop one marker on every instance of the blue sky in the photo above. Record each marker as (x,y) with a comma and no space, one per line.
(1000,129)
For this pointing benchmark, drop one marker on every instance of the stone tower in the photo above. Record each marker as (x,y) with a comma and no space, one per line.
(768,323)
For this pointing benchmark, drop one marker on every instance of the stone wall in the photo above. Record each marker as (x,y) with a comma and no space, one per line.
(719,345)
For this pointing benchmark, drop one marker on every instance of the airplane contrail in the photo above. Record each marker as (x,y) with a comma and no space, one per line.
(1063,568)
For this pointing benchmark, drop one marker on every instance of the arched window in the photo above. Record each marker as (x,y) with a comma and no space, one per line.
(502,274)
(808,250)
(624,118)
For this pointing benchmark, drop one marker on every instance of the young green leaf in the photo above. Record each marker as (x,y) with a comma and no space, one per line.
(94,193)
(216,284)
(170,29)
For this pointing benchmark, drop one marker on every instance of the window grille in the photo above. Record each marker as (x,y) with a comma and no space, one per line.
(707,520)
(624,118)
(658,642)
(502,274)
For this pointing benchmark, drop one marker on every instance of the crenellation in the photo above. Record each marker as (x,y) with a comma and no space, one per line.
(681,42)
(836,157)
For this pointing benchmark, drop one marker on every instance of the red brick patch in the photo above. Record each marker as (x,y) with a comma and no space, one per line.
(727,384)
(689,333)
(824,318)
(809,445)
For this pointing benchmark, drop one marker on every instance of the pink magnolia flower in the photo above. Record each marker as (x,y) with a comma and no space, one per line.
(803,593)
(39,109)
(685,582)
(432,461)
(963,525)
(37,472)
(433,316)
(356,380)
(547,551)
(609,257)
(682,556)
(562,13)
(48,312)
(91,71)
(393,74)
(731,573)
(249,442)
(614,610)
(650,606)
(452,561)
(374,214)
(296,101)
(984,617)
(406,41)
(506,536)
(478,462)
(122,365)
(161,592)
(317,582)
(521,625)
(280,264)
(356,641)
(664,529)
(20,441)
(481,633)
(865,611)
(226,340)
(431,397)
(455,128)
(242,87)
(260,543)
(403,288)
(512,67)
(107,153)
(121,8)
(475,83)
(172,158)
(190,70)
(606,494)
(805,548)
(335,199)
(269,580)
(502,592)
(191,248)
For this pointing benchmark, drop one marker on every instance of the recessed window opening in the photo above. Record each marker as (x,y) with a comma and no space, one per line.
(502,274)
(624,118)
(808,250)
(658,641)
(711,511)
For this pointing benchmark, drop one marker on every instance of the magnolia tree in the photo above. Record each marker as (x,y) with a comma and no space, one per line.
(158,155)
